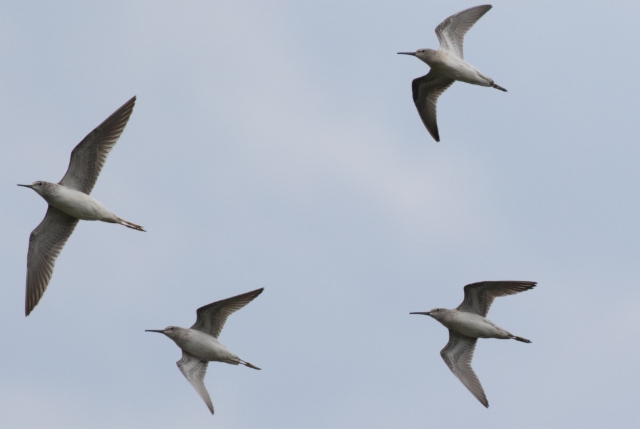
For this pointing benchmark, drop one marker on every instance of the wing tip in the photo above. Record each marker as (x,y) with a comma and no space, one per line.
(31,301)
(484,7)
(254,293)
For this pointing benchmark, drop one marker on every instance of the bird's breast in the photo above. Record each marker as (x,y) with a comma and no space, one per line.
(458,69)
(78,204)
(475,326)
(206,347)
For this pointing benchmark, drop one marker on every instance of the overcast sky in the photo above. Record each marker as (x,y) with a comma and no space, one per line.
(276,145)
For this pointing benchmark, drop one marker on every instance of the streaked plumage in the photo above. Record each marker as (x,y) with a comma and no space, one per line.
(200,343)
(467,323)
(447,65)
(69,201)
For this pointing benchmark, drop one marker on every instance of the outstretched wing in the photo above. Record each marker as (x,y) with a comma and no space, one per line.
(89,156)
(426,90)
(451,31)
(212,317)
(45,244)
(457,354)
(478,297)
(194,370)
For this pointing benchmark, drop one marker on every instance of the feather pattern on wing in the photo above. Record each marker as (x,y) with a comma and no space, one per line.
(45,244)
(451,31)
(426,91)
(478,297)
(194,370)
(211,318)
(457,354)
(89,156)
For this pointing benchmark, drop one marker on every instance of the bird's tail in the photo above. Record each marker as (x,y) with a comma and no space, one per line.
(248,364)
(494,85)
(130,224)
(524,340)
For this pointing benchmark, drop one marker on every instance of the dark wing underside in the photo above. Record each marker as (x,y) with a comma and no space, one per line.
(426,90)
(478,297)
(45,244)
(89,156)
(212,317)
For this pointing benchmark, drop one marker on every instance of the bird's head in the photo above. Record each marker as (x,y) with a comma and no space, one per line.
(38,186)
(436,313)
(424,54)
(170,331)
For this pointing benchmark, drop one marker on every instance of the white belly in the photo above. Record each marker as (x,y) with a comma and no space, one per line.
(458,69)
(475,326)
(208,348)
(80,205)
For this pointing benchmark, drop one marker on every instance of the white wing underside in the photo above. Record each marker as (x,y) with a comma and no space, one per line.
(457,354)
(452,30)
(194,370)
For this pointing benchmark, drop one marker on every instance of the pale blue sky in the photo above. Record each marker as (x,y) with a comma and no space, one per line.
(276,145)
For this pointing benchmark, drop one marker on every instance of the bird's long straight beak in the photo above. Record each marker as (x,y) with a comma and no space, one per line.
(26,186)
(154,330)
(426,313)
(407,53)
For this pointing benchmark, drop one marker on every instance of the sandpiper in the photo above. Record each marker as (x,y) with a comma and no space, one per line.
(468,322)
(447,65)
(69,201)
(200,343)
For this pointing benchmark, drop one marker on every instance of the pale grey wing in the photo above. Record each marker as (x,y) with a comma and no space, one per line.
(212,317)
(45,244)
(194,370)
(451,31)
(478,297)
(426,91)
(89,156)
(457,354)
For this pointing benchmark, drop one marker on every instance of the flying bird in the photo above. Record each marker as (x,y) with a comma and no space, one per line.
(69,201)
(200,343)
(468,322)
(447,65)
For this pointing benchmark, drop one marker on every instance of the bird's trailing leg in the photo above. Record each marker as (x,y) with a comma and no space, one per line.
(248,364)
(130,224)
(494,85)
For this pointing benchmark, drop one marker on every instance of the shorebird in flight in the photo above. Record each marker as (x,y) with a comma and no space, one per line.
(468,322)
(69,201)
(447,66)
(200,343)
